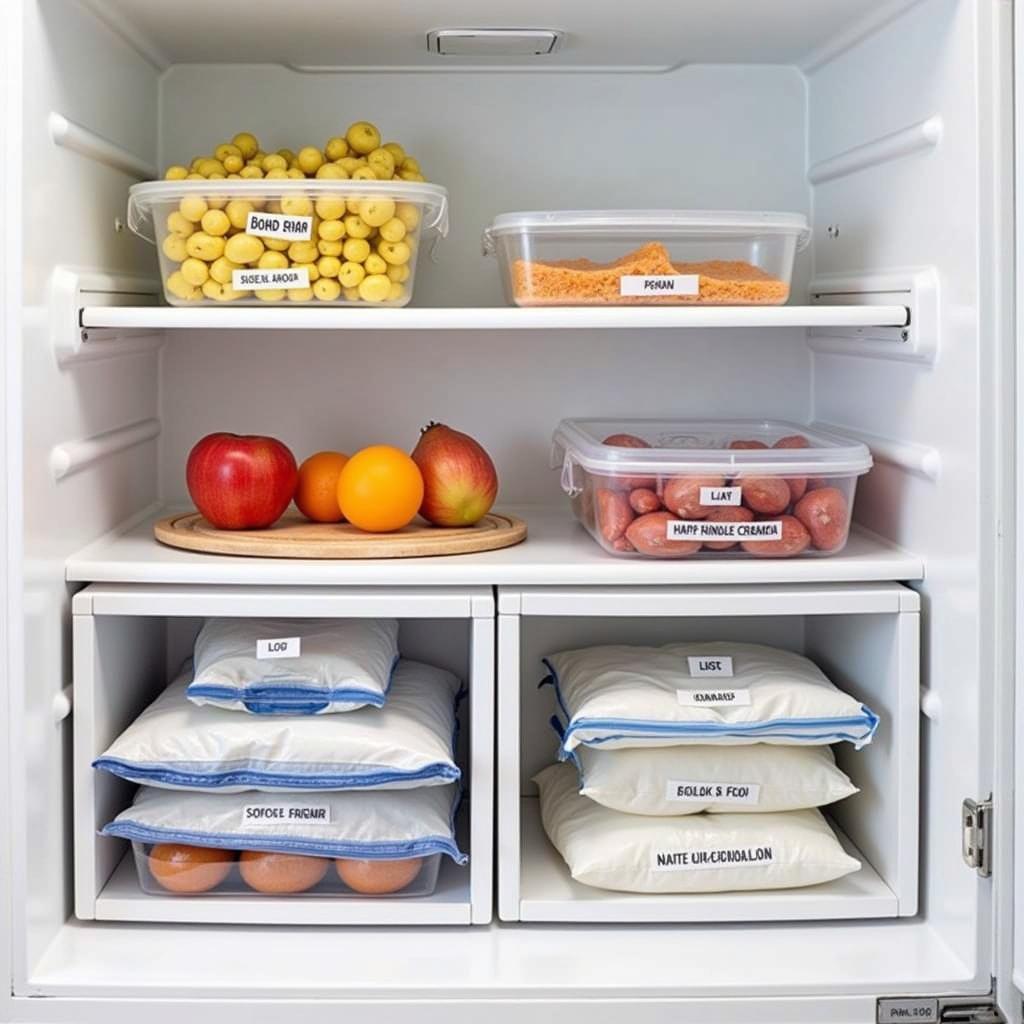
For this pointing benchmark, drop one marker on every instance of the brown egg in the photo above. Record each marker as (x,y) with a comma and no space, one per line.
(281,872)
(377,877)
(186,869)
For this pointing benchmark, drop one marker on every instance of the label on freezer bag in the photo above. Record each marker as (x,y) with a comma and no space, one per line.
(710,665)
(289,227)
(281,647)
(274,814)
(276,277)
(728,857)
(659,284)
(721,495)
(713,698)
(698,529)
(713,792)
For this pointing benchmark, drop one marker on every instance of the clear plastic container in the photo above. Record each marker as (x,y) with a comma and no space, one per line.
(279,223)
(171,869)
(728,489)
(659,257)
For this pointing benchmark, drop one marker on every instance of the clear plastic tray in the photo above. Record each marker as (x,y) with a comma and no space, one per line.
(282,252)
(171,869)
(626,257)
(676,489)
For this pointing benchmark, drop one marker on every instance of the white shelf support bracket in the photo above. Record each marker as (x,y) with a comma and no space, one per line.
(71,288)
(85,142)
(915,288)
(71,456)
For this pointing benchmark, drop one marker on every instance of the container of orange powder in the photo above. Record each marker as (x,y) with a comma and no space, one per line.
(646,257)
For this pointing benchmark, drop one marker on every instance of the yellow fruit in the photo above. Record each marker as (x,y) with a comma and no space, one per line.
(395,253)
(238,211)
(271,295)
(209,166)
(376,212)
(330,208)
(356,249)
(204,247)
(374,264)
(326,289)
(220,292)
(233,164)
(215,222)
(309,159)
(356,227)
(336,148)
(393,230)
(329,266)
(221,269)
(243,249)
(350,274)
(297,206)
(250,171)
(398,272)
(300,294)
(176,173)
(326,248)
(331,171)
(303,252)
(331,230)
(395,292)
(382,163)
(180,288)
(374,288)
(247,144)
(174,248)
(196,272)
(409,215)
(364,174)
(192,208)
(277,244)
(396,151)
(351,294)
(349,164)
(272,261)
(363,137)
(275,162)
(276,174)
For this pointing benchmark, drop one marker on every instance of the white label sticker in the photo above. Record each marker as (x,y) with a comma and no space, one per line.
(279,647)
(698,529)
(279,225)
(696,860)
(713,792)
(713,698)
(278,277)
(659,284)
(711,665)
(275,814)
(721,495)
(920,1010)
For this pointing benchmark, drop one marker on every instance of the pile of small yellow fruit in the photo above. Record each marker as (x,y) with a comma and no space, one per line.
(360,248)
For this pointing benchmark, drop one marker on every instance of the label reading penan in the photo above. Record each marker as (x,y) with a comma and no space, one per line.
(696,860)
(713,792)
(720,698)
(262,280)
(710,665)
(659,284)
(279,647)
(275,814)
(721,495)
(287,227)
(698,529)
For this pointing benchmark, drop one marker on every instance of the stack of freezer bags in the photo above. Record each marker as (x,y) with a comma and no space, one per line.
(697,767)
(293,756)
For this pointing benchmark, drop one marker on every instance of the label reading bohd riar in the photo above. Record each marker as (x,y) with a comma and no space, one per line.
(699,529)
(713,792)
(288,227)
(255,279)
(696,860)
(659,284)
(304,814)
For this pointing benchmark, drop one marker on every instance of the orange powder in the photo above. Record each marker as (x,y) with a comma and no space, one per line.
(585,283)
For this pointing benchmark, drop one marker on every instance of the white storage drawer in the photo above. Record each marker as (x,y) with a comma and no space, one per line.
(128,640)
(865,638)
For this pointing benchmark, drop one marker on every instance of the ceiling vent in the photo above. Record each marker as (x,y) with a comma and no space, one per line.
(493,42)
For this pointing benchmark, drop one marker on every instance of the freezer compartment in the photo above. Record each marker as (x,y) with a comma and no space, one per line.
(646,257)
(308,243)
(671,489)
(129,641)
(865,639)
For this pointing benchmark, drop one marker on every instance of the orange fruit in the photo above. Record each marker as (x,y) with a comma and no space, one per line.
(317,492)
(380,489)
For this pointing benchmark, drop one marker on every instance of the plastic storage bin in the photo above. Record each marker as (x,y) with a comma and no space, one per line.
(259,242)
(296,876)
(624,257)
(729,489)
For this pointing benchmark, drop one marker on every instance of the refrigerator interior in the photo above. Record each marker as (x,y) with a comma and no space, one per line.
(884,123)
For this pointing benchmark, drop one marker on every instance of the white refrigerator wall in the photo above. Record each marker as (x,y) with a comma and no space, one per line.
(937,206)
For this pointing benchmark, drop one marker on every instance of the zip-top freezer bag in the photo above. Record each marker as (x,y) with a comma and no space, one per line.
(294,666)
(690,854)
(407,743)
(384,826)
(672,781)
(702,692)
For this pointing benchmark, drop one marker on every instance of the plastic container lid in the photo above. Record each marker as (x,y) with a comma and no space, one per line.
(145,195)
(664,223)
(698,447)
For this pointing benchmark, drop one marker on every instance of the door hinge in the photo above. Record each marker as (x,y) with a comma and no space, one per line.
(976,819)
(973,1013)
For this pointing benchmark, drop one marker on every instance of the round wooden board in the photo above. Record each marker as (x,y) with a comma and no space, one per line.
(293,536)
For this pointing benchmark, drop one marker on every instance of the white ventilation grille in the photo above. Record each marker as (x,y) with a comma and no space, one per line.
(493,42)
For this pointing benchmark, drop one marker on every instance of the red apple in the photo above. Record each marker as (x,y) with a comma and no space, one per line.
(459,479)
(241,482)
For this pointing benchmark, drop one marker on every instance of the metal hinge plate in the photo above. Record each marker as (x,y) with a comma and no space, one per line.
(976,819)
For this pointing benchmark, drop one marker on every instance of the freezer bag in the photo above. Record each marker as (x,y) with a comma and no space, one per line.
(294,666)
(690,854)
(407,743)
(701,692)
(671,781)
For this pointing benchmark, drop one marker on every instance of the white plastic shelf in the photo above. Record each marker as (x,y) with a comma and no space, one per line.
(557,551)
(485,318)
(122,899)
(547,892)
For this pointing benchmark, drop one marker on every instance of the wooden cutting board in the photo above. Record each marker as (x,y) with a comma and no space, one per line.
(294,536)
